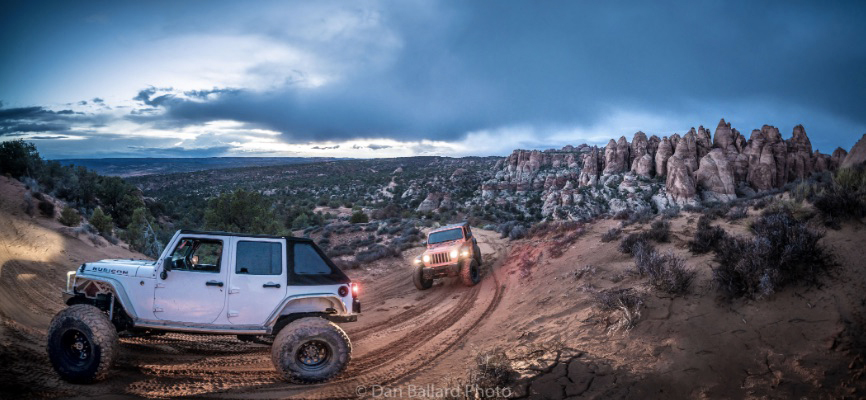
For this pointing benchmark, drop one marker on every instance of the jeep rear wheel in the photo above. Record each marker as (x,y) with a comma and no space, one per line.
(469,273)
(311,350)
(418,278)
(82,344)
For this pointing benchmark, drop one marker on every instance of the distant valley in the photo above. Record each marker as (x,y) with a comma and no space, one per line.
(128,167)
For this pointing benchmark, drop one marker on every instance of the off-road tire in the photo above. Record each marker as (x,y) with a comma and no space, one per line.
(418,278)
(469,273)
(89,327)
(287,351)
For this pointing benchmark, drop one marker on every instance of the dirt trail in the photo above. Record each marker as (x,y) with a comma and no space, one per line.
(401,332)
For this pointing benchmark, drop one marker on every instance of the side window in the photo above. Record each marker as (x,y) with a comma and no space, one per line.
(468,233)
(308,261)
(259,258)
(197,255)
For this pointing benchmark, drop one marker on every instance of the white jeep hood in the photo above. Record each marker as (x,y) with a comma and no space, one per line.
(118,267)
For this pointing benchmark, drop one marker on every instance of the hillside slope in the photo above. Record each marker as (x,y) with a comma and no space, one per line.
(35,254)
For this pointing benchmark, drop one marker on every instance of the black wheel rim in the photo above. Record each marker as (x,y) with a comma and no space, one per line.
(76,348)
(313,355)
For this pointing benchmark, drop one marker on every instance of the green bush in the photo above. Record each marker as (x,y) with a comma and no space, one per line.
(241,211)
(102,222)
(69,216)
(359,218)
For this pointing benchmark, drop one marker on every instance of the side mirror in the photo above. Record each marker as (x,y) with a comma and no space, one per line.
(166,266)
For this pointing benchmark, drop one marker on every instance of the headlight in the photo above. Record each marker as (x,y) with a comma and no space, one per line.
(464,253)
(454,253)
(417,260)
(426,258)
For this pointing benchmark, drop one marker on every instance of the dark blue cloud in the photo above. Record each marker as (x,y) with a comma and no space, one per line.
(495,64)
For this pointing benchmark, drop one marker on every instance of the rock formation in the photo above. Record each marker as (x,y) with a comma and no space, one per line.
(857,154)
(587,180)
(715,177)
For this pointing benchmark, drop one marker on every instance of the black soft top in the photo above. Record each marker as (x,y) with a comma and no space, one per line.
(336,276)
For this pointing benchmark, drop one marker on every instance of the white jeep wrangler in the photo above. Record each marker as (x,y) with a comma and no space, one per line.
(211,283)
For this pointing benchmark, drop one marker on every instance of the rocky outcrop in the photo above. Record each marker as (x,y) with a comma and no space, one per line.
(838,157)
(715,177)
(857,154)
(587,180)
(665,151)
(616,156)
(799,154)
(679,184)
(589,173)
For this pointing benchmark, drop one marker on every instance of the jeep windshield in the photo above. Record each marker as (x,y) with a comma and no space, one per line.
(445,236)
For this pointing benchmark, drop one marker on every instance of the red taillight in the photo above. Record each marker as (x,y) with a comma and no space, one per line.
(355,289)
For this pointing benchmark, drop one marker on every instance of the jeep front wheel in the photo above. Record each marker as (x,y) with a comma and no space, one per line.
(469,273)
(311,350)
(82,344)
(418,278)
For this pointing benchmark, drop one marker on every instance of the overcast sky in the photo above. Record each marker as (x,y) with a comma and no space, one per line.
(399,78)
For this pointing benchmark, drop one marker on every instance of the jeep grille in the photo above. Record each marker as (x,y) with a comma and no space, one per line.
(440,258)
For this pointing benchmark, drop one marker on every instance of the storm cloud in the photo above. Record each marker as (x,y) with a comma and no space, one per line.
(449,71)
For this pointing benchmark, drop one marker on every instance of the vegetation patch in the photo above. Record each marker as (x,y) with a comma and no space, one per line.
(784,251)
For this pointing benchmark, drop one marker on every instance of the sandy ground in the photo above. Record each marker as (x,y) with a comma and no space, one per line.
(540,312)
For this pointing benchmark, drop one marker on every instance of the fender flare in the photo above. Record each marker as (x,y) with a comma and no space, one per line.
(330,297)
(117,289)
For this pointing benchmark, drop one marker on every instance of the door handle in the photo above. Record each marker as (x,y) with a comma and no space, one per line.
(214,283)
(271,284)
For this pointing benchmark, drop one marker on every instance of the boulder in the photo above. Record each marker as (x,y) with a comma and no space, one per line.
(838,156)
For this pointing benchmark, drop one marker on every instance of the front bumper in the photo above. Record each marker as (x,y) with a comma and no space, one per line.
(442,270)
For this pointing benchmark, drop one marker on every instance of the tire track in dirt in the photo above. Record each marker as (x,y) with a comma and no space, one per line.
(374,370)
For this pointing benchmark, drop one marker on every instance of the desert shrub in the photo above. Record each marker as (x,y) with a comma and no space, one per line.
(622,215)
(28,204)
(376,252)
(518,232)
(626,302)
(583,271)
(666,272)
(660,231)
(844,197)
(760,203)
(346,264)
(737,213)
(340,250)
(783,251)
(611,235)
(628,243)
(359,217)
(493,369)
(706,236)
(670,212)
(46,208)
(717,210)
(554,227)
(69,216)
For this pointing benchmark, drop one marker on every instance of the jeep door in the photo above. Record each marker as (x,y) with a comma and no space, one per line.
(258,279)
(194,290)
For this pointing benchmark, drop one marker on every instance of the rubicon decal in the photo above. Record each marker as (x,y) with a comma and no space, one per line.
(110,271)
